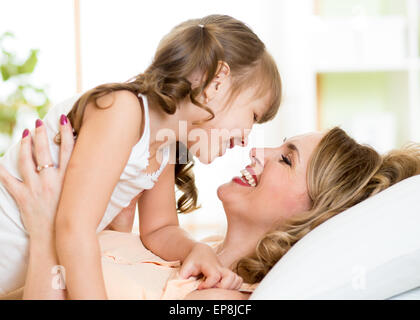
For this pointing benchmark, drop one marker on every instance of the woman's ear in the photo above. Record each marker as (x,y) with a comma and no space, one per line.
(220,80)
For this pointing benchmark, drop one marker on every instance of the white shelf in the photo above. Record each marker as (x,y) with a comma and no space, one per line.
(366,67)
(376,44)
(369,67)
(351,65)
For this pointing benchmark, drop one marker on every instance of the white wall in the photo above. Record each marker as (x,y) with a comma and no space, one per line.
(119,38)
(48,26)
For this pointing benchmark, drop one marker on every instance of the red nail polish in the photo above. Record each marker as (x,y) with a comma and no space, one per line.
(25,133)
(38,123)
(63,119)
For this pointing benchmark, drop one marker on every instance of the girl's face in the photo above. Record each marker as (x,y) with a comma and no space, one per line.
(232,122)
(277,188)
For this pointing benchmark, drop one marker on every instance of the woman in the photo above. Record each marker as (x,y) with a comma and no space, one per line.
(291,190)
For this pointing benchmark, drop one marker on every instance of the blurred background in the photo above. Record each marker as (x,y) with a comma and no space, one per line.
(353,63)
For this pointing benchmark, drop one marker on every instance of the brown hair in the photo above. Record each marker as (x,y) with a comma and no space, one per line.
(196,45)
(341,173)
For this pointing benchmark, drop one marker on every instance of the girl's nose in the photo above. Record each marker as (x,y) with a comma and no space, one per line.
(244,142)
(257,161)
(257,156)
(261,155)
(238,141)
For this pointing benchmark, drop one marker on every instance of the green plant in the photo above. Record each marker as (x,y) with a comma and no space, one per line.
(24,93)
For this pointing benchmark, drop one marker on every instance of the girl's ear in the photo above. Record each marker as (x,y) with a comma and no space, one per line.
(220,80)
(196,78)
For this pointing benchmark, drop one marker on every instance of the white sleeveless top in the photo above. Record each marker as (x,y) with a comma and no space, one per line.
(13,236)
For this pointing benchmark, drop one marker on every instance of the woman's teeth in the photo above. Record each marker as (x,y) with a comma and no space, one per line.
(247,177)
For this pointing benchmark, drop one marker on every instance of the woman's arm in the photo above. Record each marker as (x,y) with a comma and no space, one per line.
(37,198)
(43,278)
(102,150)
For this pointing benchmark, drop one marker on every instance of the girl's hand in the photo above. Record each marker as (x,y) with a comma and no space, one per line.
(203,259)
(38,194)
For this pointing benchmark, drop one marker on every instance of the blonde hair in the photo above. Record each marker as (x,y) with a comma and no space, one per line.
(341,173)
(196,45)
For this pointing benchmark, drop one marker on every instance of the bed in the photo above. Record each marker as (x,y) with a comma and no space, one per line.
(370,251)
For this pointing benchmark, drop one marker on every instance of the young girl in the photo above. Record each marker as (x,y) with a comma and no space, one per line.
(211,66)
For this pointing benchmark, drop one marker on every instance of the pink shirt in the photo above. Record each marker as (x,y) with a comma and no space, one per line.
(133,272)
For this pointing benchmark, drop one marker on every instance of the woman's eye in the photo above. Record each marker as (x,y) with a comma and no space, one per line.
(286,160)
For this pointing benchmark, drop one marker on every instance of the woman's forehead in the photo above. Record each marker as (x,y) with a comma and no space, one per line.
(306,142)
(307,137)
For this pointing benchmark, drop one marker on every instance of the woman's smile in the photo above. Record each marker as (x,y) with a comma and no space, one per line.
(248,178)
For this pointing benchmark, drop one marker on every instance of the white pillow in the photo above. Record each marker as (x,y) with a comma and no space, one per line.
(370,251)
(413,294)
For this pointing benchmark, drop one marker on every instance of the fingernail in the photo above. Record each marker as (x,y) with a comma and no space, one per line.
(38,123)
(25,133)
(63,119)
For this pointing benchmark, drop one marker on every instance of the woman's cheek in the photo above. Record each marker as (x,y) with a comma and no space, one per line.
(284,198)
(297,204)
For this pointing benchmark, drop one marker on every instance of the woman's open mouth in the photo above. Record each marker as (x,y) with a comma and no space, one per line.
(248,178)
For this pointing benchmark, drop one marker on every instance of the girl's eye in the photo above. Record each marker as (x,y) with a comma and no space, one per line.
(286,160)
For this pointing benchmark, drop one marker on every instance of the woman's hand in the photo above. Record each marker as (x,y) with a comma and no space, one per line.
(37,196)
(203,259)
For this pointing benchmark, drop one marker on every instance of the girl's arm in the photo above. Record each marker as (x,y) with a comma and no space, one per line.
(160,232)
(123,222)
(158,221)
(102,150)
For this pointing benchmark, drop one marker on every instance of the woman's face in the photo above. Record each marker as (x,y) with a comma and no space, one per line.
(277,188)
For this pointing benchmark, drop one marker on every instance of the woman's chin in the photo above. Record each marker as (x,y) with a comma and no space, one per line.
(221,191)
(233,197)
(230,191)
